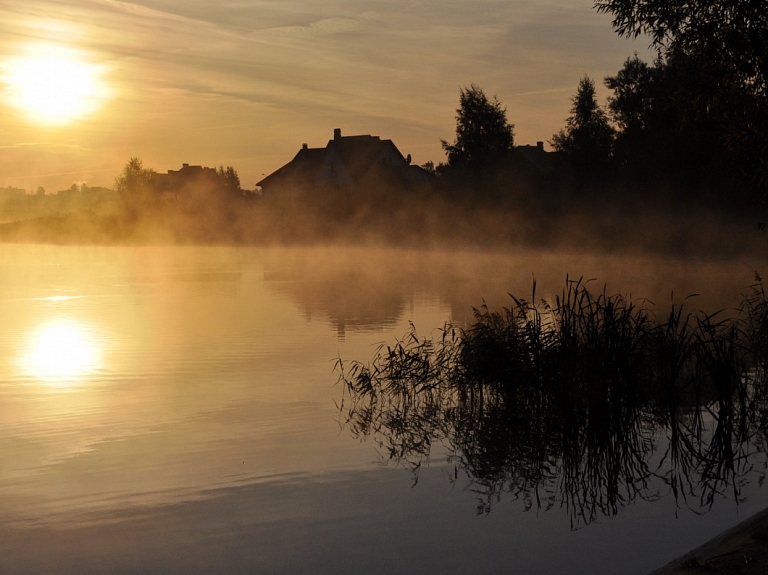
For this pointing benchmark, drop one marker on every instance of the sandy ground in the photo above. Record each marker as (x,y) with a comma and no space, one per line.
(742,549)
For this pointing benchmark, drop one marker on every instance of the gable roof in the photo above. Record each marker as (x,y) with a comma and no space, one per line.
(303,166)
(361,153)
(359,156)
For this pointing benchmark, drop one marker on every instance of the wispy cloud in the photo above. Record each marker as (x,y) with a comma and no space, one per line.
(550,91)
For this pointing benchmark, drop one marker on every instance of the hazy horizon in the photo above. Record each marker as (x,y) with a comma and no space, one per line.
(245,84)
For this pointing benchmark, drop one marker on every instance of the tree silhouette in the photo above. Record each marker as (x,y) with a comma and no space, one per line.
(730,37)
(587,138)
(674,120)
(229,179)
(633,98)
(484,137)
(134,185)
(731,33)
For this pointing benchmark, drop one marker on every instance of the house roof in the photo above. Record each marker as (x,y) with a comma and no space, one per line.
(303,166)
(538,157)
(359,155)
(177,179)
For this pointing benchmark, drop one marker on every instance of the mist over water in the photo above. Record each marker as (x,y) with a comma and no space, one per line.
(508,214)
(202,413)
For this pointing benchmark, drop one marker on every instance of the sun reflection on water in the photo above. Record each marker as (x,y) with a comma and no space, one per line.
(61,351)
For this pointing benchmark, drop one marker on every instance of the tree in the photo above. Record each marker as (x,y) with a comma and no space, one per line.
(640,109)
(435,170)
(673,122)
(484,137)
(730,33)
(728,38)
(587,138)
(633,95)
(134,185)
(229,179)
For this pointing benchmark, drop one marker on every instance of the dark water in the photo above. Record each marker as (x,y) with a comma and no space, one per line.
(173,410)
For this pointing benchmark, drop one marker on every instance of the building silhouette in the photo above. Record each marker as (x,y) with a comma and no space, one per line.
(350,164)
(175,181)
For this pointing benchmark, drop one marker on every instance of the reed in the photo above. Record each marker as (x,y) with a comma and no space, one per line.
(590,402)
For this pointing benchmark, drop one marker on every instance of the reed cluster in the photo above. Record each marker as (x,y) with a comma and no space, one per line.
(589,401)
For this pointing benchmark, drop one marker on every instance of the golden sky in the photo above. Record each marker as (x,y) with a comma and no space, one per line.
(246,82)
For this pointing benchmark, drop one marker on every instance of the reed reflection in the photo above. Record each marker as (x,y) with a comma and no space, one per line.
(60,351)
(589,403)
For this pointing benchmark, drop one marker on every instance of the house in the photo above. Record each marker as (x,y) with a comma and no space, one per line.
(350,164)
(177,180)
(537,158)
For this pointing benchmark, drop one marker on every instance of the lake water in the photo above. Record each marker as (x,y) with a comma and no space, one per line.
(174,410)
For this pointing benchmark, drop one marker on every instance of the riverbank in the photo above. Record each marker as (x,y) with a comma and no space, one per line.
(741,550)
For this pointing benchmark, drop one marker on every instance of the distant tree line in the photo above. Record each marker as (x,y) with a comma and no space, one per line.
(17,204)
(669,121)
(143,191)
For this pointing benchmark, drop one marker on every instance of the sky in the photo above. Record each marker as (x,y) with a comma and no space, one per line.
(87,84)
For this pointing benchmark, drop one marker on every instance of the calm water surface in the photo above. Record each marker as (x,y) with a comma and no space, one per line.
(174,410)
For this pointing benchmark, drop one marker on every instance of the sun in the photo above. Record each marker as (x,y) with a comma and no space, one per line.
(53,85)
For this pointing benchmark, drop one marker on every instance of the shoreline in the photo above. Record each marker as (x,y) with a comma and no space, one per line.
(742,549)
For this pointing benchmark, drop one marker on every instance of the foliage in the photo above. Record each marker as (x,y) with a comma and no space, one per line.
(229,179)
(728,40)
(435,170)
(133,177)
(673,126)
(732,34)
(484,137)
(134,185)
(587,138)
(429,166)
(633,97)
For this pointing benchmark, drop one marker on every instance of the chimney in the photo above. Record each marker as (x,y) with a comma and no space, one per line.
(184,166)
(304,147)
(540,146)
(337,134)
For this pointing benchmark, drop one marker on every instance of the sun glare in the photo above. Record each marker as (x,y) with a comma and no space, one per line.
(61,350)
(53,85)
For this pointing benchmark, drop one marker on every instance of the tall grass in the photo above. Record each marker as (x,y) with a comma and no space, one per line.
(589,402)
